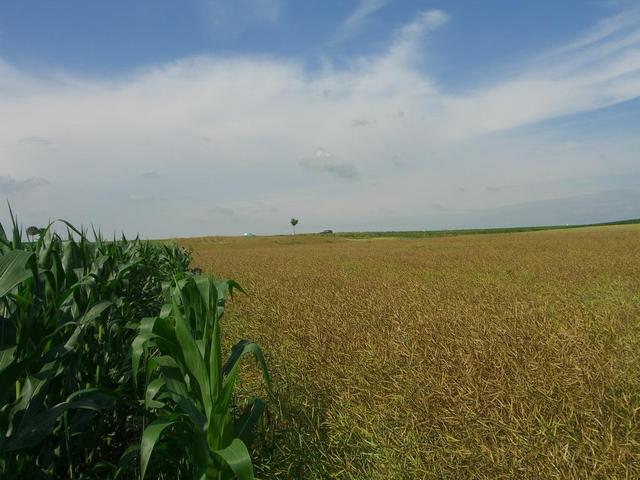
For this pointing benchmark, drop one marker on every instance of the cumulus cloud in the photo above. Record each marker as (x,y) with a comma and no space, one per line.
(262,115)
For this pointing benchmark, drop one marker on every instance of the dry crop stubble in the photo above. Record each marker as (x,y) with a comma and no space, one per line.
(480,356)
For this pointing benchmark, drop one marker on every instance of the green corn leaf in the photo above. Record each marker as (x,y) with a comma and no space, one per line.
(150,437)
(137,350)
(16,231)
(225,288)
(239,350)
(152,390)
(6,357)
(71,227)
(245,423)
(230,369)
(145,333)
(215,360)
(14,270)
(165,337)
(194,362)
(71,258)
(45,248)
(9,375)
(88,318)
(34,429)
(198,420)
(207,290)
(160,363)
(126,459)
(236,457)
(202,467)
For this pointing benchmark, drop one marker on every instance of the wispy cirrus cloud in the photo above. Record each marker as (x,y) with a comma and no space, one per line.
(355,22)
(407,39)
(606,29)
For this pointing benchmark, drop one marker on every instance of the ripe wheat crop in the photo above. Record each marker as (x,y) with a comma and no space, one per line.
(480,356)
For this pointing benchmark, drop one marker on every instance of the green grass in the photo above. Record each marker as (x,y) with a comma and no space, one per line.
(472,231)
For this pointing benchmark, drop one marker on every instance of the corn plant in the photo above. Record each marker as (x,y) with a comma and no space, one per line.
(189,388)
(69,309)
(48,302)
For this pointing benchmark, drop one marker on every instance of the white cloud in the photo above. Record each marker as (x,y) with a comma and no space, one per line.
(232,131)
(407,39)
(607,28)
(358,19)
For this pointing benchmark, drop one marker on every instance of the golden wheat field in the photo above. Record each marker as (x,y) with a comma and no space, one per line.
(477,356)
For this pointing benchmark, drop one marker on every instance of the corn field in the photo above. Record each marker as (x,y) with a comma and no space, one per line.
(111,362)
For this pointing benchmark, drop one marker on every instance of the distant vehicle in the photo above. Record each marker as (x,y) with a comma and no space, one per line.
(248,234)
(326,232)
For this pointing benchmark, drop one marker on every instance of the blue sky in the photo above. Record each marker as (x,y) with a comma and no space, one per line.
(117,36)
(216,117)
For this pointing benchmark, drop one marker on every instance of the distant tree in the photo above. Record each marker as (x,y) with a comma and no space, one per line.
(33,231)
(294,222)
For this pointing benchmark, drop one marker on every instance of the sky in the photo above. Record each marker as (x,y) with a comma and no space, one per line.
(218,117)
